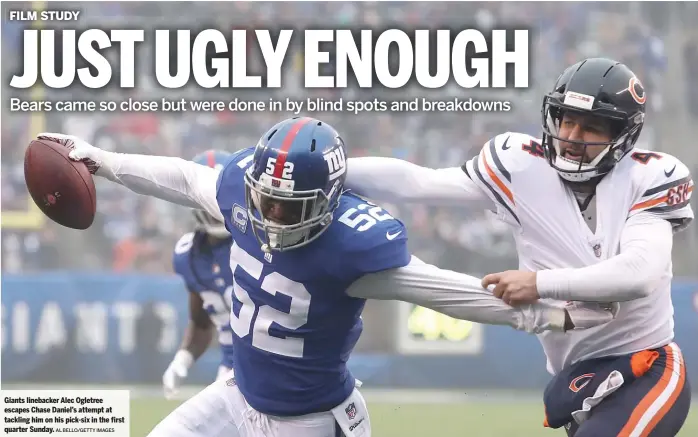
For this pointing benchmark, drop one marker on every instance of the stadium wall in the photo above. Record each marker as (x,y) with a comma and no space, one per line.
(119,329)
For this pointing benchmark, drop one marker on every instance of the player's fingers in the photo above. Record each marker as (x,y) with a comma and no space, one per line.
(55,135)
(76,156)
(514,300)
(499,290)
(492,278)
(65,140)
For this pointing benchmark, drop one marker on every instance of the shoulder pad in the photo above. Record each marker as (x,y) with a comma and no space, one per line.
(369,238)
(182,251)
(500,157)
(360,220)
(231,179)
(243,158)
(182,260)
(664,187)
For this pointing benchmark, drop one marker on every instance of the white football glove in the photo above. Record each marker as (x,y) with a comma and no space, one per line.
(80,150)
(586,315)
(176,372)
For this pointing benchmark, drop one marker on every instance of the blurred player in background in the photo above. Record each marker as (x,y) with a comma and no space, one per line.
(305,257)
(202,260)
(593,219)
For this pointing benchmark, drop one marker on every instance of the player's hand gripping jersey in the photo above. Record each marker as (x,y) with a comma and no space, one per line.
(637,205)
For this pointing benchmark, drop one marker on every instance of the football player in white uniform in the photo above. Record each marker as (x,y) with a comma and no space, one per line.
(593,219)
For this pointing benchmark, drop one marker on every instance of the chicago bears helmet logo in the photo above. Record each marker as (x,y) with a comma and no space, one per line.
(581,381)
(636,90)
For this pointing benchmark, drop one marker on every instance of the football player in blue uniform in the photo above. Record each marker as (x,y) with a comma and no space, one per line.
(305,256)
(202,260)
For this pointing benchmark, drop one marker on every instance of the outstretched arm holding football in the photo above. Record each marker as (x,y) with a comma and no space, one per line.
(172,179)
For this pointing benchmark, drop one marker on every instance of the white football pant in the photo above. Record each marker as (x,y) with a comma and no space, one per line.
(220,410)
(222,371)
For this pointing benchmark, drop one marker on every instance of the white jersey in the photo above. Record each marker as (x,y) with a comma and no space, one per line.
(552,232)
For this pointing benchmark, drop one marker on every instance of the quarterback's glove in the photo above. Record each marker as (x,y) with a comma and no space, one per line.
(80,150)
(583,315)
(176,372)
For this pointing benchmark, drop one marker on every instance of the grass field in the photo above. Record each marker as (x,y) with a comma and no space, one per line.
(399,414)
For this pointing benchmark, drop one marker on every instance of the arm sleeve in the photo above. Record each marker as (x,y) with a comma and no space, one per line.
(644,257)
(397,181)
(456,295)
(175,180)
(491,170)
(667,195)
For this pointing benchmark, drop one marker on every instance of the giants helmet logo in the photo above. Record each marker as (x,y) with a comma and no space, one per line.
(336,162)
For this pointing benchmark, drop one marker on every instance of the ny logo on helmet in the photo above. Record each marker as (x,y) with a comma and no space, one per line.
(336,162)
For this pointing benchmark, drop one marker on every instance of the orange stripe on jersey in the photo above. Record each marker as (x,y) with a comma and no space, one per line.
(653,202)
(633,425)
(497,181)
(649,203)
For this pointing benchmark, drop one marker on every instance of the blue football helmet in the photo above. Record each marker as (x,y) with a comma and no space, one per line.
(205,222)
(294,183)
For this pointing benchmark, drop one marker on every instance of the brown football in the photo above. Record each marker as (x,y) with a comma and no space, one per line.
(62,188)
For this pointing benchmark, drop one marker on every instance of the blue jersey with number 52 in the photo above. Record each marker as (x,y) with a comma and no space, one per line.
(293,324)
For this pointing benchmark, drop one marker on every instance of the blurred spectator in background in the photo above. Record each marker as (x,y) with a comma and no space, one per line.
(690,53)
